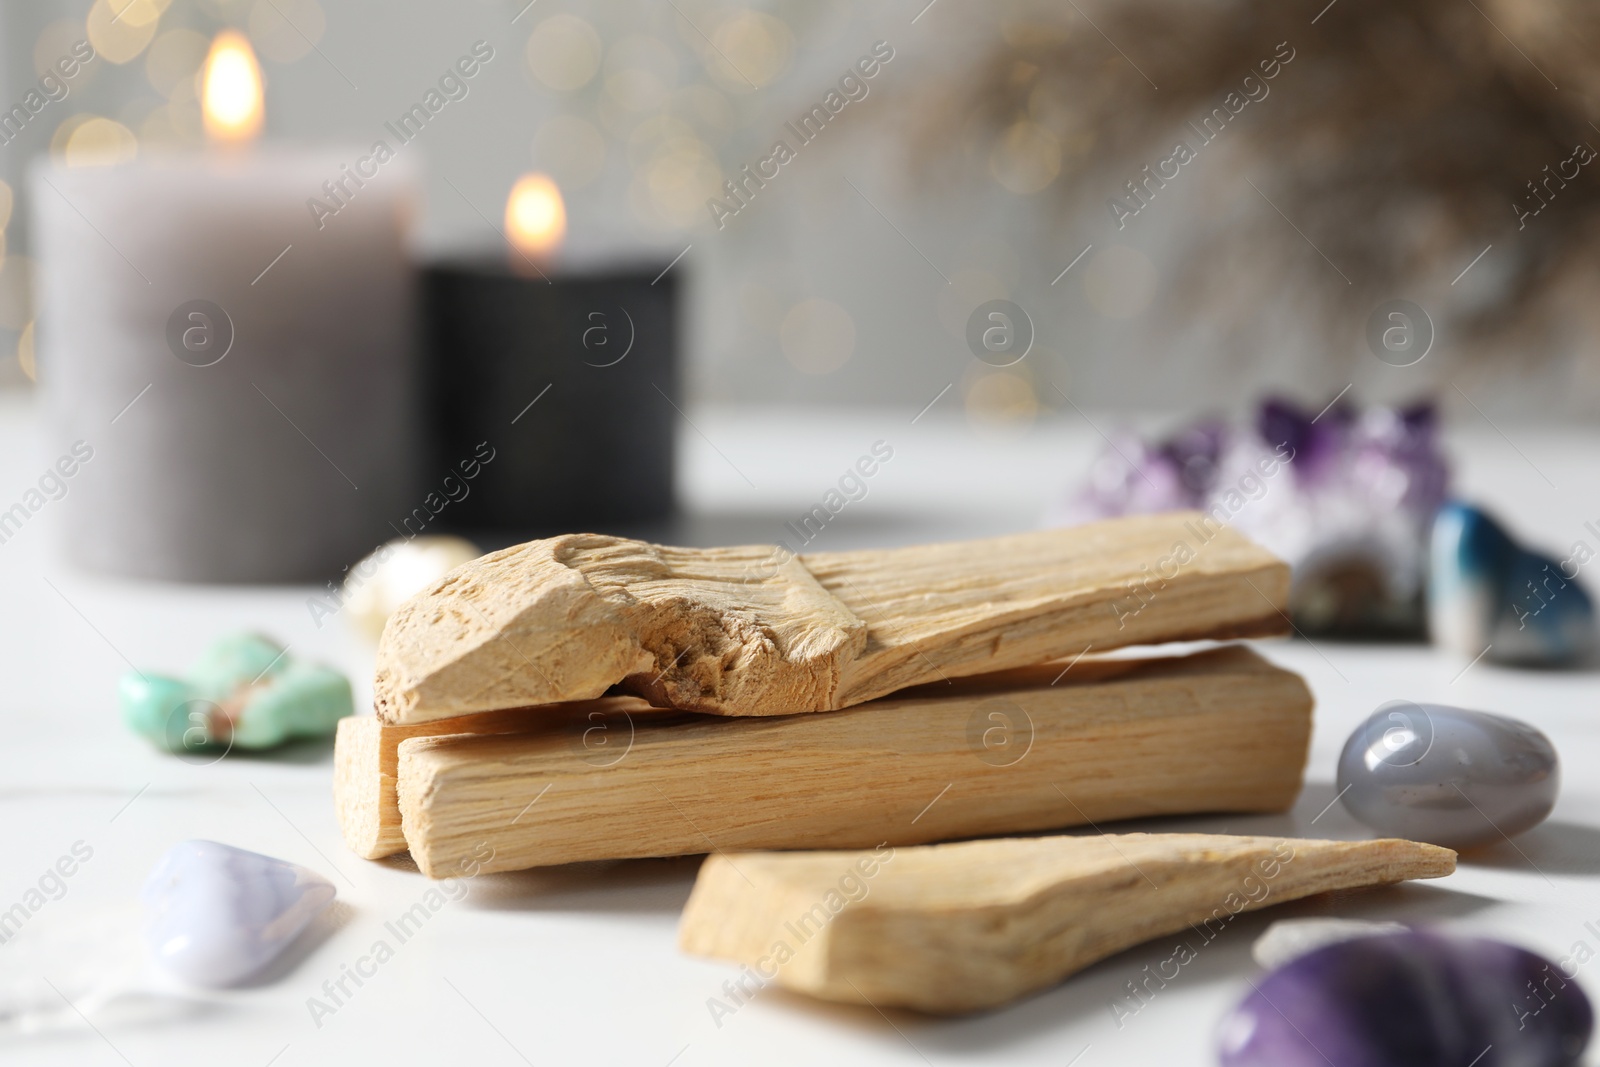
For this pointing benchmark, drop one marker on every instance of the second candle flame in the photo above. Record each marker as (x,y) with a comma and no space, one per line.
(536,218)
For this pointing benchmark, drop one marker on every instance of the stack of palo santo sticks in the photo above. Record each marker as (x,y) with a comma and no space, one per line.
(593,698)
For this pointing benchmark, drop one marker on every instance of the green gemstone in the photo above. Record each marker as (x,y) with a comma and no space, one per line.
(153,701)
(303,700)
(234,661)
(270,698)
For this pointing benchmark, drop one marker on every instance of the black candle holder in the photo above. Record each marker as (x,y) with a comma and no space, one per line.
(551,398)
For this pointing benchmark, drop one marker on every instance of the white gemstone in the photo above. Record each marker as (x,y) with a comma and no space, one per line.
(1289,939)
(215,914)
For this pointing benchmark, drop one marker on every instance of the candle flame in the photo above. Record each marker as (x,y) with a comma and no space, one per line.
(536,219)
(231,89)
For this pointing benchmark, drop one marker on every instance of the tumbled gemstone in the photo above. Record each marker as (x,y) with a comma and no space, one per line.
(375,587)
(1415,999)
(1489,596)
(215,914)
(1447,776)
(1287,939)
(246,690)
(1346,496)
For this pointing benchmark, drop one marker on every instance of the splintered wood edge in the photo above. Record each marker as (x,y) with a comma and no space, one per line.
(847,938)
(567,618)
(452,649)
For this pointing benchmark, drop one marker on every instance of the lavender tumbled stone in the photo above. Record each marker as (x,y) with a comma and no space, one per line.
(215,914)
(1448,776)
(1410,1000)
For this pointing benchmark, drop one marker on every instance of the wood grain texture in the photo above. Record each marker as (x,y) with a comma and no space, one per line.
(968,926)
(366,757)
(1216,731)
(755,630)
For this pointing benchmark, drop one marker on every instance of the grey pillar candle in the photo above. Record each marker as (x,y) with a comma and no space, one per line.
(241,367)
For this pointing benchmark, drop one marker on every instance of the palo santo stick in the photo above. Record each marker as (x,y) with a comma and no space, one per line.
(759,631)
(1217,731)
(963,927)
(366,754)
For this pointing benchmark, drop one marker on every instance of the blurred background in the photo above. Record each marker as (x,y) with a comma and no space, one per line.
(981,163)
(304,303)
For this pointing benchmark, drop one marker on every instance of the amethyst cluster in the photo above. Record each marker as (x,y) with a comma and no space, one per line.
(1347,496)
(1413,999)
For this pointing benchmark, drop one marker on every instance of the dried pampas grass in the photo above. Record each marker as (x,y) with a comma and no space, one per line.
(1402,138)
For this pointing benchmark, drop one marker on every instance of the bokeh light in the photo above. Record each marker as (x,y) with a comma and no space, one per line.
(640,73)
(1001,399)
(1026,159)
(99,142)
(564,53)
(119,40)
(682,178)
(138,12)
(25,358)
(752,50)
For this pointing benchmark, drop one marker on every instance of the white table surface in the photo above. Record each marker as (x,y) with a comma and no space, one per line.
(580,965)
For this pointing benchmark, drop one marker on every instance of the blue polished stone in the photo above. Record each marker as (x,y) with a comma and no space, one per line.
(1488,592)
(1415,999)
(215,914)
(1447,776)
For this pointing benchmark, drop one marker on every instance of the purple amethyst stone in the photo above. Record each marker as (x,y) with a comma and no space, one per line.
(1417,999)
(1346,495)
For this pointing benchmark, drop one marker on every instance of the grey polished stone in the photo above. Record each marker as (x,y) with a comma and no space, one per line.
(1448,776)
